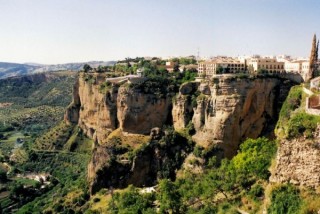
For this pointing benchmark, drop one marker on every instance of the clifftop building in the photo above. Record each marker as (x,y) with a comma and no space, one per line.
(254,64)
(268,64)
(221,65)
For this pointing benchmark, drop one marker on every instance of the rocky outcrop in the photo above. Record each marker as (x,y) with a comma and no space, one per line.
(159,158)
(229,110)
(183,104)
(99,113)
(72,113)
(139,112)
(298,162)
(224,112)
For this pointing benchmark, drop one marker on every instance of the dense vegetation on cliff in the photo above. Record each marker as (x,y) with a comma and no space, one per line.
(221,188)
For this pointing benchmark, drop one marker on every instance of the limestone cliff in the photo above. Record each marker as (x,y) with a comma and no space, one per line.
(94,112)
(298,162)
(130,111)
(224,112)
(298,133)
(140,112)
(228,110)
(159,158)
(99,113)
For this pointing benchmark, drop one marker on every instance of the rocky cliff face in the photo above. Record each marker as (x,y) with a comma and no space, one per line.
(94,112)
(160,158)
(224,112)
(99,113)
(229,110)
(139,112)
(298,162)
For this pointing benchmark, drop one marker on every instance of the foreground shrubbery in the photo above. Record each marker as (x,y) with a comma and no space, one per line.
(285,199)
(217,190)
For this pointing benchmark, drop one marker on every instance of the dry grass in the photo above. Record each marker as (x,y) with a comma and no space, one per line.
(311,201)
(104,198)
(133,140)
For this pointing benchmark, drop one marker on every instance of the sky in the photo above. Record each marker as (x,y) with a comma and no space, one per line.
(61,31)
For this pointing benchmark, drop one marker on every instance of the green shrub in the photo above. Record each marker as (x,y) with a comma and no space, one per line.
(198,151)
(292,102)
(285,200)
(254,157)
(104,87)
(256,191)
(302,124)
(130,201)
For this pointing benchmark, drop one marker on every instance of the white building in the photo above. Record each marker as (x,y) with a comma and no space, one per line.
(221,65)
(271,65)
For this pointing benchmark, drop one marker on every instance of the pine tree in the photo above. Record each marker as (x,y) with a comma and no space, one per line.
(313,58)
(317,49)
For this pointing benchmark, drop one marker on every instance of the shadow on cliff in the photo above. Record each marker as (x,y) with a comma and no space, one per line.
(158,159)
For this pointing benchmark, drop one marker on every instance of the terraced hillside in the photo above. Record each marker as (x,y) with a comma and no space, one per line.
(36,102)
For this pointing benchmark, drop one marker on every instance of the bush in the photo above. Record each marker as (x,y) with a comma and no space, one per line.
(96,200)
(292,102)
(285,199)
(254,158)
(130,201)
(198,151)
(302,124)
(256,191)
(3,175)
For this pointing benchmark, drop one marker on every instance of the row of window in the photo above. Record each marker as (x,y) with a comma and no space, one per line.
(271,67)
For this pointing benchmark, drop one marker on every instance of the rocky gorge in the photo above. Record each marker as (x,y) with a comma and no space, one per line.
(223,113)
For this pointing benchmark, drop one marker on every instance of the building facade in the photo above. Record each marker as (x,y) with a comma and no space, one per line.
(265,64)
(254,64)
(221,66)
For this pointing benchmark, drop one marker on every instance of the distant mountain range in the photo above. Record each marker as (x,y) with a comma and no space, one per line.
(15,69)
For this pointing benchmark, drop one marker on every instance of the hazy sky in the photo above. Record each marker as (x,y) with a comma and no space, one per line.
(59,31)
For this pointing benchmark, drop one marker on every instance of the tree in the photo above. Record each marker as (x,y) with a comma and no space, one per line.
(3,175)
(86,68)
(169,197)
(254,158)
(220,70)
(131,201)
(313,58)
